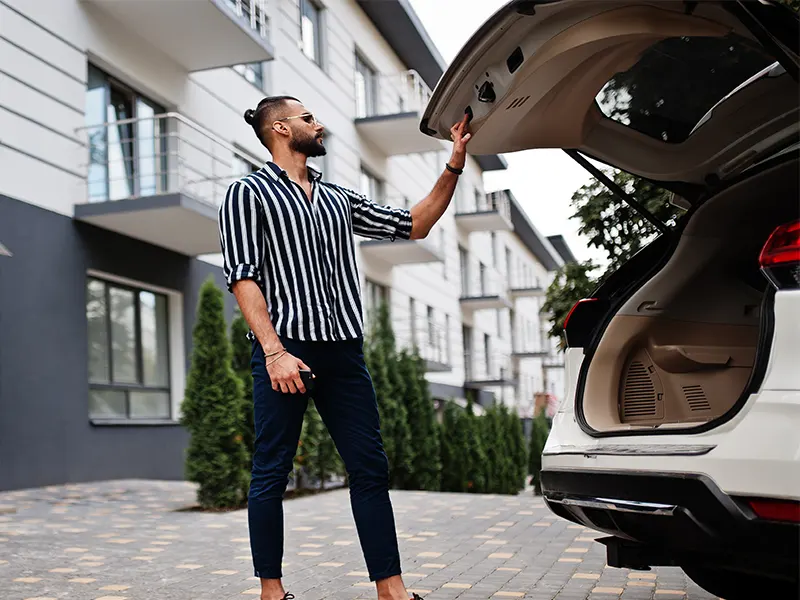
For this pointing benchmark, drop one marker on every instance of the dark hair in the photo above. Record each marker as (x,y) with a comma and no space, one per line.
(263,113)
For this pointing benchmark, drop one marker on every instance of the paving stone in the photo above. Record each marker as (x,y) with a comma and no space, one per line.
(129,540)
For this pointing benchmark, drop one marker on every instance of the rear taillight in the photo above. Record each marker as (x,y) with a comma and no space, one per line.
(581,321)
(776,510)
(780,257)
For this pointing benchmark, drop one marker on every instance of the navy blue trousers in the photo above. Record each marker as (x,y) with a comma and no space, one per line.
(345,399)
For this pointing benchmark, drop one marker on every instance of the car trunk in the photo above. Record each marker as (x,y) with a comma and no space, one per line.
(682,349)
(690,96)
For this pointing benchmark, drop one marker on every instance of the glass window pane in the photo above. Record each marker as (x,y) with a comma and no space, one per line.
(149,152)
(96,101)
(120,146)
(677,80)
(107,404)
(155,359)
(97,325)
(309,29)
(150,405)
(123,336)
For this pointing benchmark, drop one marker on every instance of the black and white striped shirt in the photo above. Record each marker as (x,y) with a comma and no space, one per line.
(301,253)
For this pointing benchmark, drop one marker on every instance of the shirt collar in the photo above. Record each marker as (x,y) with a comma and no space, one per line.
(276,173)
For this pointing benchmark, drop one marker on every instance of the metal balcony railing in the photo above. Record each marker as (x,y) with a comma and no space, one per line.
(492,367)
(523,280)
(430,339)
(499,202)
(480,281)
(254,11)
(159,154)
(390,94)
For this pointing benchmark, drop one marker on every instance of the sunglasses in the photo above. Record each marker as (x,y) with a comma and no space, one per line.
(307,117)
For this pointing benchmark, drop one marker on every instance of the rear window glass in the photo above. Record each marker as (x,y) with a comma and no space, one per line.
(677,81)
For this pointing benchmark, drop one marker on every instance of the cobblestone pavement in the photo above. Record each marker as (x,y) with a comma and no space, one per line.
(129,540)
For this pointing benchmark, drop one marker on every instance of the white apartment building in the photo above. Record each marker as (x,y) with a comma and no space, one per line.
(120,129)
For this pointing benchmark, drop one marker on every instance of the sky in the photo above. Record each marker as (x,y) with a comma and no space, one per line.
(543,181)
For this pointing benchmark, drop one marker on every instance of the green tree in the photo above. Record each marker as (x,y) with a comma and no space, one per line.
(380,356)
(475,457)
(612,226)
(455,449)
(240,362)
(518,452)
(426,467)
(211,409)
(317,457)
(571,283)
(496,465)
(539,433)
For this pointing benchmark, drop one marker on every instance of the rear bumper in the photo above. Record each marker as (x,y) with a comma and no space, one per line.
(686,516)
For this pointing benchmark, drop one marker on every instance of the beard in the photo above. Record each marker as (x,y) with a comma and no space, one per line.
(311,146)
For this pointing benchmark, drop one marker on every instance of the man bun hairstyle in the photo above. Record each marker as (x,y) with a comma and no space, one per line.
(266,111)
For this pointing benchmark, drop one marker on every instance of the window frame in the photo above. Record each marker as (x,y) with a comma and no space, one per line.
(318,38)
(371,88)
(259,75)
(175,354)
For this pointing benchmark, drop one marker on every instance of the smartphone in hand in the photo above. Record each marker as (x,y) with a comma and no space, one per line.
(308,379)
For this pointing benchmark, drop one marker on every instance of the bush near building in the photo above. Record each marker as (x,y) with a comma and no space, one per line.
(540,431)
(240,362)
(212,409)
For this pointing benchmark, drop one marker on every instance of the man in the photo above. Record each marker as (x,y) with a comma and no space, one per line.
(289,258)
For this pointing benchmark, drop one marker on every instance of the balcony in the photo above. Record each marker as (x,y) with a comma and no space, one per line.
(399,252)
(158,179)
(482,288)
(388,110)
(431,341)
(525,285)
(490,212)
(492,370)
(529,350)
(203,34)
(553,360)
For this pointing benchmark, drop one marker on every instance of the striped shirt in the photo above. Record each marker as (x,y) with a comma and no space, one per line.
(300,253)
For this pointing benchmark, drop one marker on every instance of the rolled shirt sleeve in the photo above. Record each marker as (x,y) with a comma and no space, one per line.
(241,234)
(376,221)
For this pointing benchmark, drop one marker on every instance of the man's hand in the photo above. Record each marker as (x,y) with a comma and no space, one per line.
(460,135)
(284,374)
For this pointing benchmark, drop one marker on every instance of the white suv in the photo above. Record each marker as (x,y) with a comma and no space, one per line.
(679,435)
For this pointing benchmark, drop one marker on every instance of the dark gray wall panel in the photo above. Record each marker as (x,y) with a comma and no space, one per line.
(45,433)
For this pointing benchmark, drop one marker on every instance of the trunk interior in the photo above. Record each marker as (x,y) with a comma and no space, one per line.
(681,350)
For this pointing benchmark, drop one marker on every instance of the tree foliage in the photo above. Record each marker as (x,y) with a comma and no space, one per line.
(381,359)
(426,466)
(570,284)
(539,434)
(317,459)
(211,409)
(455,449)
(240,361)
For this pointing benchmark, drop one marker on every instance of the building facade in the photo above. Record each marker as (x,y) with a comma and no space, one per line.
(120,129)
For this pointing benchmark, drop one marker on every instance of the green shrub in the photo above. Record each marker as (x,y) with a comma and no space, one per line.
(426,467)
(539,433)
(211,409)
(240,361)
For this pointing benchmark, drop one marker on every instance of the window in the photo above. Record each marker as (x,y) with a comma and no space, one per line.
(366,88)
(493,243)
(376,294)
(311,30)
(466,336)
(242,166)
(443,248)
(677,81)
(431,326)
(128,352)
(487,352)
(447,337)
(370,186)
(499,314)
(253,72)
(482,271)
(478,200)
(509,275)
(412,311)
(464,268)
(127,158)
